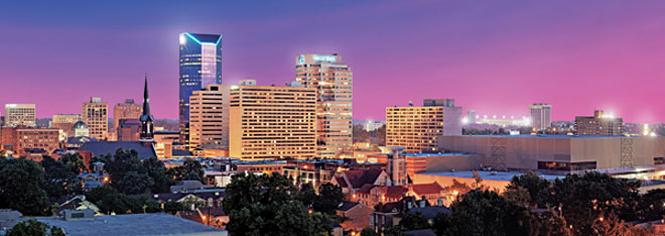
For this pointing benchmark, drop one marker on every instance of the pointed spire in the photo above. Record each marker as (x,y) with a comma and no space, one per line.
(146,98)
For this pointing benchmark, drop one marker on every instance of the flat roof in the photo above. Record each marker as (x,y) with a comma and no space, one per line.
(131,224)
(440,154)
(562,136)
(489,175)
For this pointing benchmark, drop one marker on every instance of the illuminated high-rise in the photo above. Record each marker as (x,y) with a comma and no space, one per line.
(20,115)
(272,122)
(333,81)
(95,115)
(541,116)
(209,118)
(200,66)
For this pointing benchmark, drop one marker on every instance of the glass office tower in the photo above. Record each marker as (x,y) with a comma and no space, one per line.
(200,66)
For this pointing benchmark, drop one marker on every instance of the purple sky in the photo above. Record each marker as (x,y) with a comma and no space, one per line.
(492,56)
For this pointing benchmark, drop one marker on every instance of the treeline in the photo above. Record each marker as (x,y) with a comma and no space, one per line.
(33,188)
(273,205)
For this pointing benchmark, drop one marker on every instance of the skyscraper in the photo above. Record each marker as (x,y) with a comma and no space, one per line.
(333,81)
(200,66)
(20,115)
(272,122)
(146,133)
(209,118)
(95,115)
(541,116)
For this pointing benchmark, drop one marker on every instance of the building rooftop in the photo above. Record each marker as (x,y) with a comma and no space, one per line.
(561,136)
(489,175)
(132,224)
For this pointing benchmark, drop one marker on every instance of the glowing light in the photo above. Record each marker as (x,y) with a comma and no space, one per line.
(182,39)
(465,120)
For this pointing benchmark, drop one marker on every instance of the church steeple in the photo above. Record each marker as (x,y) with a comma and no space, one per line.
(146,118)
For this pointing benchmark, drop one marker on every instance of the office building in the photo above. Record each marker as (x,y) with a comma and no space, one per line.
(23,141)
(164,141)
(20,115)
(65,122)
(272,122)
(333,81)
(126,110)
(209,118)
(600,123)
(418,129)
(200,66)
(95,116)
(541,116)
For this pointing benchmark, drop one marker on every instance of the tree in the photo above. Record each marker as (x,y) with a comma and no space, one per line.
(536,187)
(583,197)
(652,205)
(257,205)
(483,212)
(73,163)
(134,182)
(21,187)
(329,198)
(190,170)
(412,221)
(368,232)
(34,228)
(156,170)
(173,207)
(306,195)
(29,227)
(61,179)
(611,225)
(549,222)
(394,231)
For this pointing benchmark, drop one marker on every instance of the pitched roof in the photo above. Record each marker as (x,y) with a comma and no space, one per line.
(346,205)
(341,182)
(99,148)
(358,178)
(431,188)
(396,191)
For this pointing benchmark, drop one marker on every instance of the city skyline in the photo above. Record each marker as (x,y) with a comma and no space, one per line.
(577,60)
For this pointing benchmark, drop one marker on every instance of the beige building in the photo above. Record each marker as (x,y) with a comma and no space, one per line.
(600,123)
(541,116)
(128,110)
(40,138)
(418,129)
(209,118)
(559,152)
(272,122)
(65,122)
(20,115)
(333,81)
(95,116)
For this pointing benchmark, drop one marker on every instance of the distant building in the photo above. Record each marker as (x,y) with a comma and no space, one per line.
(20,115)
(600,123)
(209,118)
(95,116)
(81,129)
(372,125)
(200,66)
(559,153)
(125,111)
(164,141)
(272,122)
(541,116)
(129,129)
(417,129)
(46,139)
(396,167)
(65,122)
(333,81)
